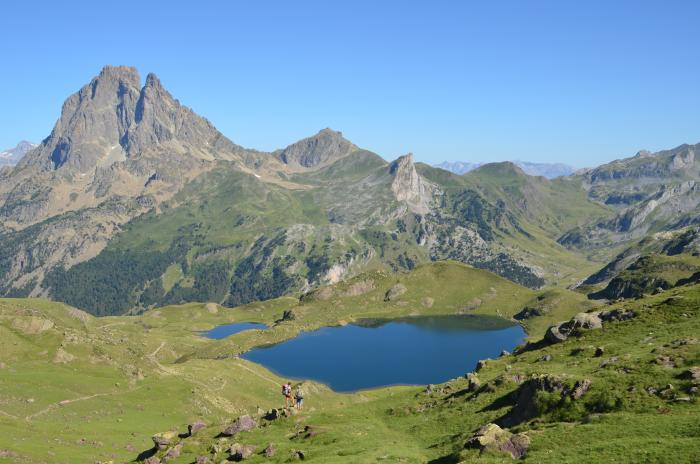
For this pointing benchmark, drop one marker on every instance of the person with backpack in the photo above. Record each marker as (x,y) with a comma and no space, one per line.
(287,393)
(299,397)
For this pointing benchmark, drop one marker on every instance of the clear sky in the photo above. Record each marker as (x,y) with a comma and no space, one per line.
(580,82)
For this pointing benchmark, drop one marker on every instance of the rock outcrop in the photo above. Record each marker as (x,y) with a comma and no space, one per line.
(241,424)
(492,438)
(409,187)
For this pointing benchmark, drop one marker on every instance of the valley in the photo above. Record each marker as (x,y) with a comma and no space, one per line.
(159,283)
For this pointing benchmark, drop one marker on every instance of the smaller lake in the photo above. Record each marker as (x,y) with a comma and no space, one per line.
(376,353)
(223,331)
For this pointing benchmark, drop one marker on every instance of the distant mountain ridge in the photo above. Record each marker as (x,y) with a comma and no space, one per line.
(12,156)
(548,170)
(135,201)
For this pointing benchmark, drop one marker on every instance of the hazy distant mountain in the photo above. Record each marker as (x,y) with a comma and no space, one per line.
(11,156)
(548,170)
(458,167)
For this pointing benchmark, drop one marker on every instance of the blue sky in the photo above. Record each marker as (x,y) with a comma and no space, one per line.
(568,81)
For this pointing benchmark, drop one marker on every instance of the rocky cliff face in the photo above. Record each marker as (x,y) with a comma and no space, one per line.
(119,149)
(410,188)
(649,192)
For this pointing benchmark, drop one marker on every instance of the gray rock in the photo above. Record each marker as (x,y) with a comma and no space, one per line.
(173,453)
(394,292)
(270,451)
(195,427)
(241,424)
(492,438)
(240,452)
(165,439)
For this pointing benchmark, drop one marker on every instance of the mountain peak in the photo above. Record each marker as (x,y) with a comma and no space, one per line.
(408,186)
(321,149)
(114,118)
(153,81)
(127,74)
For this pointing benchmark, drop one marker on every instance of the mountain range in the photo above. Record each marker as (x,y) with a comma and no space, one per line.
(135,201)
(11,156)
(548,170)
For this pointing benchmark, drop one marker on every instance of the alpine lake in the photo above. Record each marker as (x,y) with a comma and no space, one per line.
(372,353)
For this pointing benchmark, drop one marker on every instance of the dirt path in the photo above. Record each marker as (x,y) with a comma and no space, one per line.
(60,404)
(240,363)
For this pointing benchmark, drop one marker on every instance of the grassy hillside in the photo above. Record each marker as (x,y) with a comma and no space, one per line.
(115,381)
(102,386)
(230,238)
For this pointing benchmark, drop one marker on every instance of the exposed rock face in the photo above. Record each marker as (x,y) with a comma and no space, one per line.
(492,438)
(409,187)
(117,151)
(646,190)
(314,152)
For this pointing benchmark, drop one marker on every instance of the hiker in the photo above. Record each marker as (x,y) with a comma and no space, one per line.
(287,393)
(299,397)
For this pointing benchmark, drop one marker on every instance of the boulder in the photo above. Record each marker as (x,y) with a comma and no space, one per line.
(665,361)
(395,292)
(580,388)
(492,438)
(240,452)
(299,455)
(588,321)
(526,406)
(555,335)
(195,427)
(173,453)
(692,373)
(241,424)
(164,439)
(473,382)
(599,351)
(270,451)
(275,413)
(480,365)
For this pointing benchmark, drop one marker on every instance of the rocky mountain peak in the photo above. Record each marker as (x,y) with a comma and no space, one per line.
(11,156)
(409,187)
(113,118)
(126,74)
(324,148)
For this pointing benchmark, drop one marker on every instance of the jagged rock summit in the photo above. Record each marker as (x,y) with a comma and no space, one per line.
(113,119)
(409,187)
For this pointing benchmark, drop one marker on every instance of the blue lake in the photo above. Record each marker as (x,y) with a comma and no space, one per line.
(375,353)
(223,331)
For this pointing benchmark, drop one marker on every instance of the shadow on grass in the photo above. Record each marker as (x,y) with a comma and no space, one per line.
(146,454)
